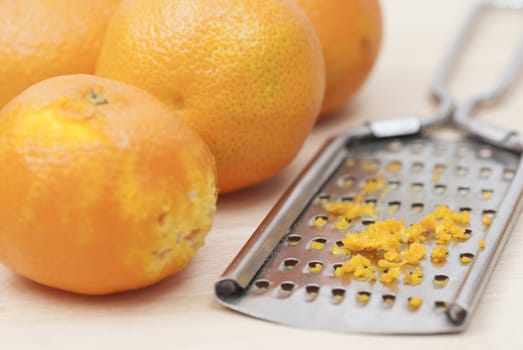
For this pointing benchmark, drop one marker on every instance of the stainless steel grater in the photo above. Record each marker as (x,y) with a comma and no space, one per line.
(286,271)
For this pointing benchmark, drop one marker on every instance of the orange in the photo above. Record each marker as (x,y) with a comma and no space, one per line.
(42,39)
(103,189)
(248,75)
(350,33)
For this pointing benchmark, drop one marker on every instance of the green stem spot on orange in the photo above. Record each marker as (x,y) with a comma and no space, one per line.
(96,99)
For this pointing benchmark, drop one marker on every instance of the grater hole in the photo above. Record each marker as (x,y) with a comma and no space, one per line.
(393,167)
(349,162)
(462,151)
(508,174)
(371,201)
(393,185)
(335,267)
(286,288)
(468,233)
(312,291)
(485,172)
(488,216)
(338,248)
(289,264)
(337,295)
(293,240)
(395,146)
(319,221)
(317,243)
(466,258)
(417,167)
(417,147)
(315,266)
(489,212)
(416,207)
(262,285)
(367,222)
(394,206)
(342,223)
(462,170)
(323,198)
(347,199)
(463,191)
(439,304)
(440,189)
(363,297)
(486,194)
(416,187)
(370,165)
(465,209)
(485,152)
(440,280)
(388,299)
(346,181)
(440,148)
(439,169)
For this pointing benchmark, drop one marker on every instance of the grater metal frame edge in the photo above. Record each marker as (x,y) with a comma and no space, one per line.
(467,297)
(243,268)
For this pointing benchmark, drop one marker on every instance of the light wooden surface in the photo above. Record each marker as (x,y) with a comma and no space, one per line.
(181,312)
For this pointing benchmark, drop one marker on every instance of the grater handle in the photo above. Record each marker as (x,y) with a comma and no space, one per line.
(438,88)
(439,91)
(463,115)
(488,131)
(447,109)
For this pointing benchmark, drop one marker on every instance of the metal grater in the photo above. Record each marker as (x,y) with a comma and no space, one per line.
(286,271)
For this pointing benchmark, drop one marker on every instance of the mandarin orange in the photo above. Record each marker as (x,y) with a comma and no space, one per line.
(42,39)
(350,33)
(103,189)
(248,75)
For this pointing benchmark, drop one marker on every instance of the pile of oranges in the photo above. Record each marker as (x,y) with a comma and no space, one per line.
(120,125)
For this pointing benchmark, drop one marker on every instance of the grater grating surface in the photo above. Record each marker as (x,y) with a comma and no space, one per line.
(284,290)
(286,271)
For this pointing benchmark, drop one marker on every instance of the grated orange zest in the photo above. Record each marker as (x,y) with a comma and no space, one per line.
(390,275)
(358,267)
(439,255)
